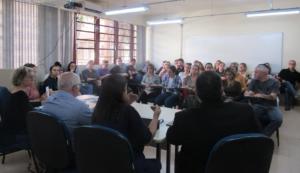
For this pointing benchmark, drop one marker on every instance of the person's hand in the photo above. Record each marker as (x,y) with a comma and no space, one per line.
(249,93)
(259,95)
(156,110)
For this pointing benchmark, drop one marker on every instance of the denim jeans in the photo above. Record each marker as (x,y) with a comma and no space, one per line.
(289,93)
(168,99)
(269,116)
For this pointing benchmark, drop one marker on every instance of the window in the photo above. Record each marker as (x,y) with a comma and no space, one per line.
(103,39)
(85,38)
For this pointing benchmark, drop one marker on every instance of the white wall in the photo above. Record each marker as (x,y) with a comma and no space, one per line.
(165,42)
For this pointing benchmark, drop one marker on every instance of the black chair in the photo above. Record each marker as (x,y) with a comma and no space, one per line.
(10,142)
(50,142)
(243,153)
(101,149)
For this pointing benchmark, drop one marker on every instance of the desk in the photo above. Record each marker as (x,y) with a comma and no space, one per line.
(167,115)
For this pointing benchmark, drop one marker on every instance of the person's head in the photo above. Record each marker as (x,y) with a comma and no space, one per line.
(234,67)
(261,72)
(113,94)
(172,71)
(69,82)
(23,77)
(116,70)
(105,64)
(90,65)
(209,87)
(230,74)
(209,67)
(150,69)
(268,65)
(57,63)
(33,66)
(130,69)
(221,66)
(133,62)
(54,71)
(72,67)
(180,63)
(292,65)
(243,67)
(119,61)
(166,65)
(195,70)
(187,67)
(217,63)
(201,67)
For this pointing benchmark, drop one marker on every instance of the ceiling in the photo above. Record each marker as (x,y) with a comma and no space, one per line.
(181,7)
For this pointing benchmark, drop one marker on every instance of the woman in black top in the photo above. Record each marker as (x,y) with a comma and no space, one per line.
(232,88)
(19,106)
(51,81)
(113,110)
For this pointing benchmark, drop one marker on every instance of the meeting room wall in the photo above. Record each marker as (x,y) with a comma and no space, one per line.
(166,42)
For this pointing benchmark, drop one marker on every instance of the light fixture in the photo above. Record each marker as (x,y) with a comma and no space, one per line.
(164,22)
(126,10)
(274,12)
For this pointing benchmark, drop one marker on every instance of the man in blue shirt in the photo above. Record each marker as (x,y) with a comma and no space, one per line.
(64,105)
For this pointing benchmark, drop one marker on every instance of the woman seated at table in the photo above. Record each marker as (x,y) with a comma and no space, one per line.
(152,85)
(232,88)
(19,106)
(171,84)
(113,110)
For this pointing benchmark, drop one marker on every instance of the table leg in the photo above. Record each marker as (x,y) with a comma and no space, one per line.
(168,159)
(158,152)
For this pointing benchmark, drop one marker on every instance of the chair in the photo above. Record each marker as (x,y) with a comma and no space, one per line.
(50,142)
(101,149)
(243,153)
(10,141)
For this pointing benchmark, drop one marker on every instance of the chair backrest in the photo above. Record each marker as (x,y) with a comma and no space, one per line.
(101,149)
(4,101)
(243,153)
(49,140)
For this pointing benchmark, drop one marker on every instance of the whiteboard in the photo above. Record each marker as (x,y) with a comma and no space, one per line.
(252,49)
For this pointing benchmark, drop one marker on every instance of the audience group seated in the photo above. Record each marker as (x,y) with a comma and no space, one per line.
(229,99)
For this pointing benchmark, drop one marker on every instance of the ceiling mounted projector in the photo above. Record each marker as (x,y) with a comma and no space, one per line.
(73,5)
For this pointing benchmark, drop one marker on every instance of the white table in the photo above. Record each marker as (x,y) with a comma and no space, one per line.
(167,114)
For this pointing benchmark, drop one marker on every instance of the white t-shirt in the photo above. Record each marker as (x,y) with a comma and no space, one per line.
(170,83)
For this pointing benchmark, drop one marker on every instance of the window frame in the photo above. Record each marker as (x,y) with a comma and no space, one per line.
(97,39)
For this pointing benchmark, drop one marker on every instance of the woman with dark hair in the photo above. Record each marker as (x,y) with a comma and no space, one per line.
(171,84)
(113,110)
(232,88)
(72,67)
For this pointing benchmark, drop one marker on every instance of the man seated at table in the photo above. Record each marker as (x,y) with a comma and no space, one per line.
(262,92)
(199,129)
(64,106)
(290,80)
(89,75)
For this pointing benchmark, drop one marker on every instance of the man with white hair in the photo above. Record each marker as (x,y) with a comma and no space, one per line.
(263,91)
(65,107)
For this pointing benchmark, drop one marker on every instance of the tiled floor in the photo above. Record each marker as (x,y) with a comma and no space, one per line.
(286,158)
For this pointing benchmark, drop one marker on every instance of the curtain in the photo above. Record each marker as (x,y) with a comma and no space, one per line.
(31,33)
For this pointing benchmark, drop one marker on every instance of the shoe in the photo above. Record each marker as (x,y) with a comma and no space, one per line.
(287,108)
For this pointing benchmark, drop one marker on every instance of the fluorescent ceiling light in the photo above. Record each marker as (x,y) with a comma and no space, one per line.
(163,22)
(126,10)
(274,12)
